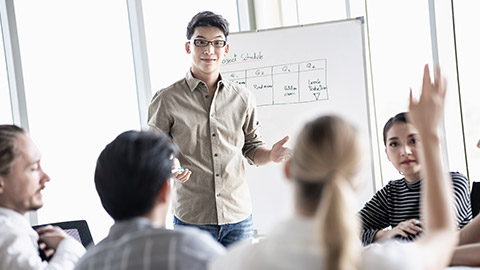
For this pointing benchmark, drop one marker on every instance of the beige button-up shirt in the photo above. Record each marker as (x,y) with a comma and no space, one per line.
(213,135)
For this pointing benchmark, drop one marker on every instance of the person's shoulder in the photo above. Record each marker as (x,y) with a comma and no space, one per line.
(459,178)
(11,229)
(164,95)
(392,185)
(396,184)
(12,235)
(459,175)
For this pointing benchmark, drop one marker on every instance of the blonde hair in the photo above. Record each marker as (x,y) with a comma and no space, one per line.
(327,154)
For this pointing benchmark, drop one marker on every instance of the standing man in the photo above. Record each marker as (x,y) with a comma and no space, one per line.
(22,180)
(214,123)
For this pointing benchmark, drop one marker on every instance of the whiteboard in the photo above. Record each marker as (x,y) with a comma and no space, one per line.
(296,74)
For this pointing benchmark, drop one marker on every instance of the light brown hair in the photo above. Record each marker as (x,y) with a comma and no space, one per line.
(8,146)
(326,155)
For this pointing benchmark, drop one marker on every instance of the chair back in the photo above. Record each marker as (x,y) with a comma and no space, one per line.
(475,198)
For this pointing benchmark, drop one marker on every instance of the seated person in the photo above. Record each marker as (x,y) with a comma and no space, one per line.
(323,233)
(132,178)
(22,180)
(394,211)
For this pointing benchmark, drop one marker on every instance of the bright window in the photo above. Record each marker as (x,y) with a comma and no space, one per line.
(314,11)
(166,35)
(399,48)
(81,93)
(5,108)
(468,58)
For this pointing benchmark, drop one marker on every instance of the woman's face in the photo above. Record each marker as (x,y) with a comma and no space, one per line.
(401,147)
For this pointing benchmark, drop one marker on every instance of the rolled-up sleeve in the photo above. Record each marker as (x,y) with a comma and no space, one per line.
(251,130)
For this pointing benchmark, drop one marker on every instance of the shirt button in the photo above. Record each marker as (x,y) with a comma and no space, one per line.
(213,134)
(217,175)
(215,155)
(218,194)
(206,96)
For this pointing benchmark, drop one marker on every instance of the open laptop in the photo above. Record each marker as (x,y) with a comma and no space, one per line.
(78,229)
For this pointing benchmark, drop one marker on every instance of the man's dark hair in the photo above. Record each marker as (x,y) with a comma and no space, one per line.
(131,170)
(209,19)
(8,146)
(399,118)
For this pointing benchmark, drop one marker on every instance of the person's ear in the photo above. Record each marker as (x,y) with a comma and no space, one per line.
(187,47)
(227,48)
(2,184)
(163,195)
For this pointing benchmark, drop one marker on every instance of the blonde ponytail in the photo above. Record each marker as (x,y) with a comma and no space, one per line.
(326,155)
(337,229)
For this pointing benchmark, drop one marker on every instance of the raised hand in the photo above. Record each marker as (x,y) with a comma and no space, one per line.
(427,112)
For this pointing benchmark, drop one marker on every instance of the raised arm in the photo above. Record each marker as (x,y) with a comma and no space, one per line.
(437,199)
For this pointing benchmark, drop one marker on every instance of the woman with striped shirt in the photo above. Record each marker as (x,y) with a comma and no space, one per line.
(394,211)
(323,232)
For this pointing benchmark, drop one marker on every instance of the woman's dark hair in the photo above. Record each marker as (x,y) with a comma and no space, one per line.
(399,118)
(209,19)
(131,170)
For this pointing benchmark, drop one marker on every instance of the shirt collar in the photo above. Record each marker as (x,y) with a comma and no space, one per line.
(193,82)
(131,225)
(413,186)
(12,214)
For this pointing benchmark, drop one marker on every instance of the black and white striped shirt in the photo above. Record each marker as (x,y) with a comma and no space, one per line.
(399,200)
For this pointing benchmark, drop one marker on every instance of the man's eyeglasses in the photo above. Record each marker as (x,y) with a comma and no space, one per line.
(205,43)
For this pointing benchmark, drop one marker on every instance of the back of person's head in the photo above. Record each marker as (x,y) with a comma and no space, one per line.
(130,172)
(207,19)
(324,164)
(398,118)
(8,146)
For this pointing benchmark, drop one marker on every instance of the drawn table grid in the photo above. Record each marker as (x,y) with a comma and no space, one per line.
(285,84)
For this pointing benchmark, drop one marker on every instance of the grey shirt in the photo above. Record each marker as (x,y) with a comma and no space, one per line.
(138,244)
(214,134)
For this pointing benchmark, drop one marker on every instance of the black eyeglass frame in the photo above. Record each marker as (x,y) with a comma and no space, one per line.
(208,42)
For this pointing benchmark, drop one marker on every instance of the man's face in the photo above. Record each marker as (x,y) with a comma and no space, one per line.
(206,60)
(21,189)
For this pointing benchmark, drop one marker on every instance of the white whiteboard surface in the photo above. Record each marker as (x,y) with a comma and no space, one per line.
(298,73)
